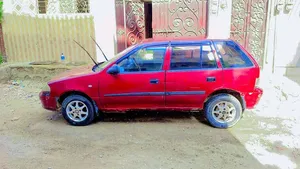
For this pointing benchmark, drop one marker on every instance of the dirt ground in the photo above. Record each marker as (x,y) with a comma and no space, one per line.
(31,137)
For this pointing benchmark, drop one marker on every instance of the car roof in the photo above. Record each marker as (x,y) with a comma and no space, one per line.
(190,40)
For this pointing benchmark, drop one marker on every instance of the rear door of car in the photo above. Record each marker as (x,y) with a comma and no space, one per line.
(192,74)
(239,70)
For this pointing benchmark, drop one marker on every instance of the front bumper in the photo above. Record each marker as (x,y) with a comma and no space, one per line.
(47,101)
(252,98)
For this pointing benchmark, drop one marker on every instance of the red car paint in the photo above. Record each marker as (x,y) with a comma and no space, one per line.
(48,102)
(179,90)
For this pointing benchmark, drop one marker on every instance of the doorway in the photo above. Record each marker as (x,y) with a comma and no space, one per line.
(179,19)
(148,19)
(137,20)
(130,23)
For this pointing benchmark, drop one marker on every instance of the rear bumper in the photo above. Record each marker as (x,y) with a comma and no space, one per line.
(252,98)
(47,101)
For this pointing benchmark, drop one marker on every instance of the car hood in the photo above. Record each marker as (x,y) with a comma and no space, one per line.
(75,72)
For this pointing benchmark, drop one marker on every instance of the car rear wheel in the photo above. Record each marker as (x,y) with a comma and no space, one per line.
(78,110)
(223,110)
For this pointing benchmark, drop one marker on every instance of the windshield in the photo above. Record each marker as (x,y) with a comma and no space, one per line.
(117,56)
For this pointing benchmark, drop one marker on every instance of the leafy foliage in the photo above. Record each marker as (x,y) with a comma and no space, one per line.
(1,17)
(1,59)
(1,11)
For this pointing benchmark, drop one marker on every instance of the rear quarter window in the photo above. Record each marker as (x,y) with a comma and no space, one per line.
(231,55)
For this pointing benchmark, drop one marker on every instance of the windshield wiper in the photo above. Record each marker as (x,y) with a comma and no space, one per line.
(100,63)
(96,66)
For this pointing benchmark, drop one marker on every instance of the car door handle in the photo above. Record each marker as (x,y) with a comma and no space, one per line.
(154,81)
(210,79)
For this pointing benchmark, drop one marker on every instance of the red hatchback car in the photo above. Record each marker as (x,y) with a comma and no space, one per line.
(218,76)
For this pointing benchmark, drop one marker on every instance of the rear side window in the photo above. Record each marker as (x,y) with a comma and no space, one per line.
(192,57)
(232,56)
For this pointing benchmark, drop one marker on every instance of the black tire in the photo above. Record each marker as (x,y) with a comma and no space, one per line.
(213,101)
(89,107)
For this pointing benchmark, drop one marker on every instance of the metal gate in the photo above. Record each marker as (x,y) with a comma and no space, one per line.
(248,25)
(179,18)
(170,18)
(130,23)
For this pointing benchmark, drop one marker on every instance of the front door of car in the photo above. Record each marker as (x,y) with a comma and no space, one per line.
(192,75)
(140,82)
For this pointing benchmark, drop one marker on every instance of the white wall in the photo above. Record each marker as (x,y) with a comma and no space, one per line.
(219,19)
(105,26)
(20,7)
(7,6)
(269,41)
(283,40)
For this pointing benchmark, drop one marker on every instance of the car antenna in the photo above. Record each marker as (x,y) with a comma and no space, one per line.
(86,52)
(99,48)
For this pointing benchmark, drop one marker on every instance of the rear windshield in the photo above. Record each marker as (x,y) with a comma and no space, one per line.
(231,55)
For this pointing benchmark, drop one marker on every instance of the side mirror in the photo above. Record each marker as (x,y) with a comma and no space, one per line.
(113,70)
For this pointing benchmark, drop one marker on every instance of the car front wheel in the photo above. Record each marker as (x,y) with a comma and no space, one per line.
(223,110)
(78,110)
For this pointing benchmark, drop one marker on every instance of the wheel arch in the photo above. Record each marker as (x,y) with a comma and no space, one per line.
(74,92)
(234,93)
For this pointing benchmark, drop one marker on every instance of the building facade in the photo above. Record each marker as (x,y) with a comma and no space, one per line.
(266,28)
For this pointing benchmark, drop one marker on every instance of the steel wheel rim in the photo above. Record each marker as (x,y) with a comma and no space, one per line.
(224,112)
(77,111)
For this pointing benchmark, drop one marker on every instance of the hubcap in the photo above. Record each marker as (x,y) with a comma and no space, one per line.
(77,111)
(224,112)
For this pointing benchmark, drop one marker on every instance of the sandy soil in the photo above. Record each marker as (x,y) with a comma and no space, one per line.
(31,137)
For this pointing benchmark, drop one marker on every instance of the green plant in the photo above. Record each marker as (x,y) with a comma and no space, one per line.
(1,59)
(1,11)
(1,17)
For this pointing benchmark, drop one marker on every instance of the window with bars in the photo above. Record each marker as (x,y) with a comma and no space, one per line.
(63,6)
(42,4)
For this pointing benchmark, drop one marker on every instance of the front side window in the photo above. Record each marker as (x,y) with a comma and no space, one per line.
(146,59)
(232,56)
(192,57)
(116,57)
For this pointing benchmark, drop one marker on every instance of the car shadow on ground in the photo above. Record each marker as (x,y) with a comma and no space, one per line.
(152,116)
(161,134)
(143,116)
